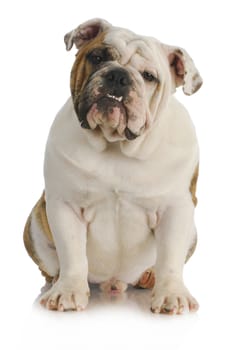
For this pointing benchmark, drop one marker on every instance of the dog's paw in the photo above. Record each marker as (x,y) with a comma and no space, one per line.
(113,287)
(66,295)
(172,298)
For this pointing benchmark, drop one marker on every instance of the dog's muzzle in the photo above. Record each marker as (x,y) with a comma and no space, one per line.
(117,82)
(105,102)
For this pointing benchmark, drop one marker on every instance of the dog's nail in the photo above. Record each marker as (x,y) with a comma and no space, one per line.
(181,309)
(169,311)
(80,308)
(156,310)
(61,308)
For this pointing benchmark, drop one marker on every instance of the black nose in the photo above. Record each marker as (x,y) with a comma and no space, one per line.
(118,81)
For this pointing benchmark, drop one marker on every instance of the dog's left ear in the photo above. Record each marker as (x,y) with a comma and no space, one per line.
(183,70)
(85,33)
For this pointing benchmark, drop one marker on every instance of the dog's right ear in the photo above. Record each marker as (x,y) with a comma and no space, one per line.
(85,32)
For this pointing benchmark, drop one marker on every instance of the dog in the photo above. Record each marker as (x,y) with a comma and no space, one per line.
(120,169)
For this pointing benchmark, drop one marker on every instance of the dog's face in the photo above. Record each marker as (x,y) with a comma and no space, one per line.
(120,82)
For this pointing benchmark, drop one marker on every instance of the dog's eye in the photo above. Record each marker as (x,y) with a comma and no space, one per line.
(96,59)
(148,76)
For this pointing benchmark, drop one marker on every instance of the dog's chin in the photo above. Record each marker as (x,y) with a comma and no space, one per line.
(110,134)
(109,116)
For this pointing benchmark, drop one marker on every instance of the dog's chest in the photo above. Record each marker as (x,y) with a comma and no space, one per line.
(112,192)
(95,177)
(119,236)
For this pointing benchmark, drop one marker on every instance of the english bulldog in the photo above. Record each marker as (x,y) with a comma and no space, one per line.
(120,170)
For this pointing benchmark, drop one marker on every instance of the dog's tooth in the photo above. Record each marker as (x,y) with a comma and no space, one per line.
(119,99)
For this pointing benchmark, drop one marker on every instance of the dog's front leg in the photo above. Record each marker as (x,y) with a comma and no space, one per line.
(71,290)
(174,236)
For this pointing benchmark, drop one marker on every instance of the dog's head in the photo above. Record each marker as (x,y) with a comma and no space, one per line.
(120,81)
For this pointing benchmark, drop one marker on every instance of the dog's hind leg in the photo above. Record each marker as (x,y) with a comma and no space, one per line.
(39,242)
(146,280)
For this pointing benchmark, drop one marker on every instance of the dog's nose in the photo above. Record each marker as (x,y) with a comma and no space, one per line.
(119,80)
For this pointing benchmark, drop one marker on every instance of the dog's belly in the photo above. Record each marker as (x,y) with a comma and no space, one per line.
(120,242)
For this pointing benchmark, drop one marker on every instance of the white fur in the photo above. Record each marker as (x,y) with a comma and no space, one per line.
(104,198)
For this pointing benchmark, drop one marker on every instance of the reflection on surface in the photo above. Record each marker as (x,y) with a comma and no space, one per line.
(134,296)
(109,321)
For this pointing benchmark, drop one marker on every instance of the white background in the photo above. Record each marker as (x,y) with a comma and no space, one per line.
(34,83)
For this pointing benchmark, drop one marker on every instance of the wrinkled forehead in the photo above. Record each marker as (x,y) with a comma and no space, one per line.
(129,45)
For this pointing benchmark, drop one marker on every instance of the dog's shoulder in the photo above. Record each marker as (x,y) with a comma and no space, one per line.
(180,130)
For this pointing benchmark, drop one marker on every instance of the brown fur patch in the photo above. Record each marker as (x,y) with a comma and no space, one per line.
(193,184)
(147,280)
(41,216)
(28,242)
(82,69)
(40,213)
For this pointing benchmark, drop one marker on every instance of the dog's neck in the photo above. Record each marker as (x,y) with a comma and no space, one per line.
(140,148)
(144,145)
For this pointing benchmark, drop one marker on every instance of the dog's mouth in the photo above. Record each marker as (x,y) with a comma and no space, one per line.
(113,97)
(109,113)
